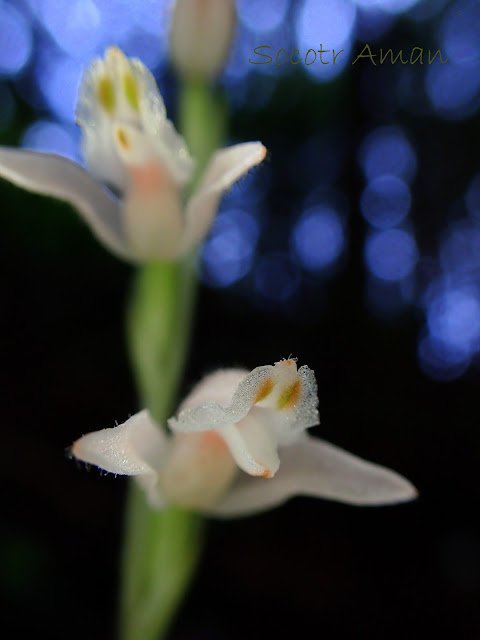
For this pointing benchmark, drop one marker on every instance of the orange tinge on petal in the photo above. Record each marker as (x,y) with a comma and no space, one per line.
(199,471)
(264,390)
(149,178)
(153,214)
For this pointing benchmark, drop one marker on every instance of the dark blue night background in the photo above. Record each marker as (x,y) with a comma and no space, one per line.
(355,247)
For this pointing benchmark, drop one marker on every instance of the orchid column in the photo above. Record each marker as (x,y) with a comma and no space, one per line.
(162,548)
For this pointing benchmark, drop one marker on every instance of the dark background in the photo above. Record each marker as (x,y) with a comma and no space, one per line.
(311,568)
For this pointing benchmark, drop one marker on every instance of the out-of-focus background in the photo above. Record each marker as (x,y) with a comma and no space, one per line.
(355,247)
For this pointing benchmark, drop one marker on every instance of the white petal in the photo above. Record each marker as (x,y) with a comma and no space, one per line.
(289,395)
(316,468)
(293,400)
(233,392)
(165,139)
(138,447)
(96,123)
(225,167)
(117,91)
(171,148)
(56,176)
(135,447)
(253,443)
(152,213)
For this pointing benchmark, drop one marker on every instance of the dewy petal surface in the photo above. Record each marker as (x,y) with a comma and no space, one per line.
(135,447)
(226,166)
(138,447)
(312,467)
(52,175)
(220,399)
(289,395)
(253,413)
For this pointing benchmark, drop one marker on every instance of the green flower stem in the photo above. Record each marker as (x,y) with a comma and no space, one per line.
(162,548)
(159,322)
(203,121)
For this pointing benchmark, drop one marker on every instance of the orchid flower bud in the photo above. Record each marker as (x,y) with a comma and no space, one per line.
(201,35)
(239,445)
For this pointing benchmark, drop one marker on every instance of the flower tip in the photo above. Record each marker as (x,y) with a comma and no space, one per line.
(73,450)
(264,471)
(114,53)
(413,493)
(405,492)
(79,449)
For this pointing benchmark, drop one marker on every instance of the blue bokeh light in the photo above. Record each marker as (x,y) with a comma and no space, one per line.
(239,65)
(389,6)
(372,24)
(453,317)
(459,33)
(391,255)
(454,87)
(15,41)
(453,90)
(141,44)
(387,151)
(441,361)
(331,25)
(121,16)
(318,238)
(385,202)
(427,9)
(260,16)
(229,250)
(76,27)
(45,135)
(58,79)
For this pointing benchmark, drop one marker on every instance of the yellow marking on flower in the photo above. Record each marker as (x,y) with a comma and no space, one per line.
(106,94)
(266,474)
(288,398)
(264,390)
(130,88)
(122,138)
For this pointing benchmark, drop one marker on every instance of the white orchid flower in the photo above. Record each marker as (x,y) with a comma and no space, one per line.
(131,146)
(238,446)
